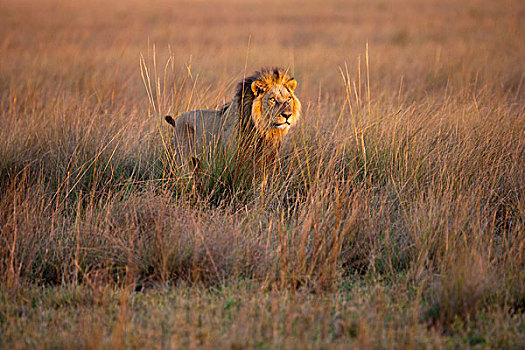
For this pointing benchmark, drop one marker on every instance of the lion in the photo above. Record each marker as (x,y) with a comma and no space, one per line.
(252,126)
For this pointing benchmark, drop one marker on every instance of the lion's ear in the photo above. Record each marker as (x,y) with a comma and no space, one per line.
(291,84)
(258,87)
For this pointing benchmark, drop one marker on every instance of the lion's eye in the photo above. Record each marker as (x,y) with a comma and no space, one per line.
(290,98)
(271,99)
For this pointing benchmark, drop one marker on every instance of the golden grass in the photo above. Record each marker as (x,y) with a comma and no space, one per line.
(397,218)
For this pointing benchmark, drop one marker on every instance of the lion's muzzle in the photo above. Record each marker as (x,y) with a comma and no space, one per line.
(286,115)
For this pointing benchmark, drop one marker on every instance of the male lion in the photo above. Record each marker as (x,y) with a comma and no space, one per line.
(251,126)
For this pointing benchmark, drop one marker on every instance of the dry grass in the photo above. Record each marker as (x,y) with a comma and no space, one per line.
(397,219)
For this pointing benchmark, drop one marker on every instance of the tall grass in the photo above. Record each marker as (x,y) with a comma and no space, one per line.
(401,188)
(416,186)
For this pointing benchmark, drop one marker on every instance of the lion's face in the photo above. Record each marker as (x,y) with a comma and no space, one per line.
(275,107)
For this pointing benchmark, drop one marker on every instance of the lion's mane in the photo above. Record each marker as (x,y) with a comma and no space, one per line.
(242,105)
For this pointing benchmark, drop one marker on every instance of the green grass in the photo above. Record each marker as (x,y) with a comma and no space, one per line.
(367,313)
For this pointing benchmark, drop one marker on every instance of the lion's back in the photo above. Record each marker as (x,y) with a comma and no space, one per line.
(200,130)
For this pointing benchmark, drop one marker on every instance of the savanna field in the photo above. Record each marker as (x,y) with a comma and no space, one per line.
(397,219)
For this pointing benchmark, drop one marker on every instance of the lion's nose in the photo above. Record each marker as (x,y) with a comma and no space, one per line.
(286,115)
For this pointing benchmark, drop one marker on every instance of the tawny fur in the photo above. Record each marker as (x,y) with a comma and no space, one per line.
(252,125)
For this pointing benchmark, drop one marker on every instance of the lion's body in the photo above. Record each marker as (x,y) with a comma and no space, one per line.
(201,132)
(252,125)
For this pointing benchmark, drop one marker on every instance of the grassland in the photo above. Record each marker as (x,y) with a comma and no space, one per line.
(397,219)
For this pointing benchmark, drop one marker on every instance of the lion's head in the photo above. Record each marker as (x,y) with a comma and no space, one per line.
(268,103)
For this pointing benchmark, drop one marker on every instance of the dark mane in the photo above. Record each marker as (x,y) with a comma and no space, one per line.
(244,95)
(224,108)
